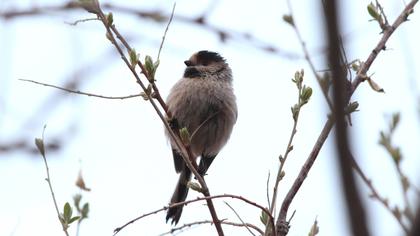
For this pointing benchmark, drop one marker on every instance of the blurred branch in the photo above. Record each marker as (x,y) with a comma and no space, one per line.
(355,209)
(282,226)
(80,92)
(375,195)
(156,15)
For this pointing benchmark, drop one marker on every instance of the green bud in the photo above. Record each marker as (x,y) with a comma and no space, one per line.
(289,19)
(145,95)
(295,111)
(195,186)
(185,136)
(109,19)
(264,217)
(91,6)
(373,11)
(352,107)
(134,57)
(40,145)
(306,94)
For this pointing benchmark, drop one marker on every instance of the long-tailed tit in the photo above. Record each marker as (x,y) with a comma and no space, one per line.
(202,101)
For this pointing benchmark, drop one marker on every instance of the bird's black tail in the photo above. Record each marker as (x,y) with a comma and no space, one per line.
(179,195)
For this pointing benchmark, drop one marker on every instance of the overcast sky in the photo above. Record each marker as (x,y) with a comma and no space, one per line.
(120,144)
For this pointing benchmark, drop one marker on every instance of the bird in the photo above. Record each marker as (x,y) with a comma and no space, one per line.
(203,101)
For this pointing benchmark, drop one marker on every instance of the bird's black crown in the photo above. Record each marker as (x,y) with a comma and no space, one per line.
(206,57)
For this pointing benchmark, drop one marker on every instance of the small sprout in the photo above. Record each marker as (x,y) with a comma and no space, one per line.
(185,136)
(85,210)
(325,82)
(109,19)
(405,183)
(373,11)
(195,186)
(375,86)
(146,95)
(396,212)
(290,148)
(282,174)
(109,37)
(395,154)
(134,57)
(306,94)
(355,66)
(91,6)
(66,217)
(151,67)
(76,200)
(395,120)
(298,79)
(264,217)
(352,107)
(295,111)
(40,145)
(289,19)
(314,229)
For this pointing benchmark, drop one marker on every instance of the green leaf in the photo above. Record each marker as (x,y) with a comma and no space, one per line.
(264,217)
(85,210)
(76,200)
(74,219)
(67,212)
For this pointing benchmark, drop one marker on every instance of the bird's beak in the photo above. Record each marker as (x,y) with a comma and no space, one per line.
(188,63)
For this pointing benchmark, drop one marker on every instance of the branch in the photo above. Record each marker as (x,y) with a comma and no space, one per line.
(375,195)
(281,224)
(248,225)
(156,15)
(80,92)
(355,208)
(206,198)
(41,148)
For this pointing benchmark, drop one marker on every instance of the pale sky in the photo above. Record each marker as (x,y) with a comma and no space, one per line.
(120,144)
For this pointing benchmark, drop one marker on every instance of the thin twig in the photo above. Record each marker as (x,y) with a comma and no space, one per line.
(240,219)
(166,30)
(375,195)
(248,225)
(48,179)
(283,158)
(80,92)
